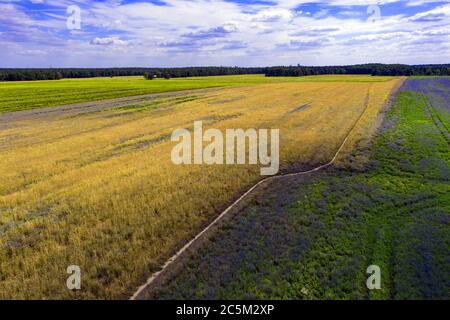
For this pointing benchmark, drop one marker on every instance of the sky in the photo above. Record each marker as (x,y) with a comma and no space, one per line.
(171,33)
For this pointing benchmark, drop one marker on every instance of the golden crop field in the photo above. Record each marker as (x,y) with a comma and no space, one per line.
(99,189)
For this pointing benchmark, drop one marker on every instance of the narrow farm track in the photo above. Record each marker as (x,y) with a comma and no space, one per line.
(172,261)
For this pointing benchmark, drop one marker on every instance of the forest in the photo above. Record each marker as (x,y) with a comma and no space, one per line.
(29,74)
(60,73)
(373,69)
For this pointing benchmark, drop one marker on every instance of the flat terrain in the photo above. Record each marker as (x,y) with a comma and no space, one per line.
(314,237)
(97,188)
(24,95)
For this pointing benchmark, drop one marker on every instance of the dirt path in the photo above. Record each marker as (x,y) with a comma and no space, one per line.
(143,291)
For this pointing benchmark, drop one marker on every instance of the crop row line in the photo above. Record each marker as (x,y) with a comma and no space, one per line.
(437,120)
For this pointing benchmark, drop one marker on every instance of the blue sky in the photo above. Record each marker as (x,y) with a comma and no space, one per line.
(167,33)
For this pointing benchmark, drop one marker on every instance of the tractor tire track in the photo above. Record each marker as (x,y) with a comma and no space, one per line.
(440,125)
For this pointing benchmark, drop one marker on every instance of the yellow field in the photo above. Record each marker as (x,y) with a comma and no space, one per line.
(99,190)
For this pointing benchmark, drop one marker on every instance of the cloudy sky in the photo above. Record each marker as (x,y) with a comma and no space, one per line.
(48,33)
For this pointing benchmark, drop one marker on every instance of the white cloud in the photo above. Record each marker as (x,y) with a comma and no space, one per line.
(33,52)
(109,41)
(271,15)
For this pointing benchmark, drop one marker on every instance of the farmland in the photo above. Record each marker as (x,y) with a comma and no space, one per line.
(386,204)
(16,96)
(98,189)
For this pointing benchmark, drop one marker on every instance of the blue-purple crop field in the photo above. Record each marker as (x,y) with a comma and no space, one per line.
(313,238)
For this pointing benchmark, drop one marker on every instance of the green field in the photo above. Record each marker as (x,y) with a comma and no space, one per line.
(23,95)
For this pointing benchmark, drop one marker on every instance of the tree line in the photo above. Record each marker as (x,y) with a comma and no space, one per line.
(27,74)
(372,69)
(23,74)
